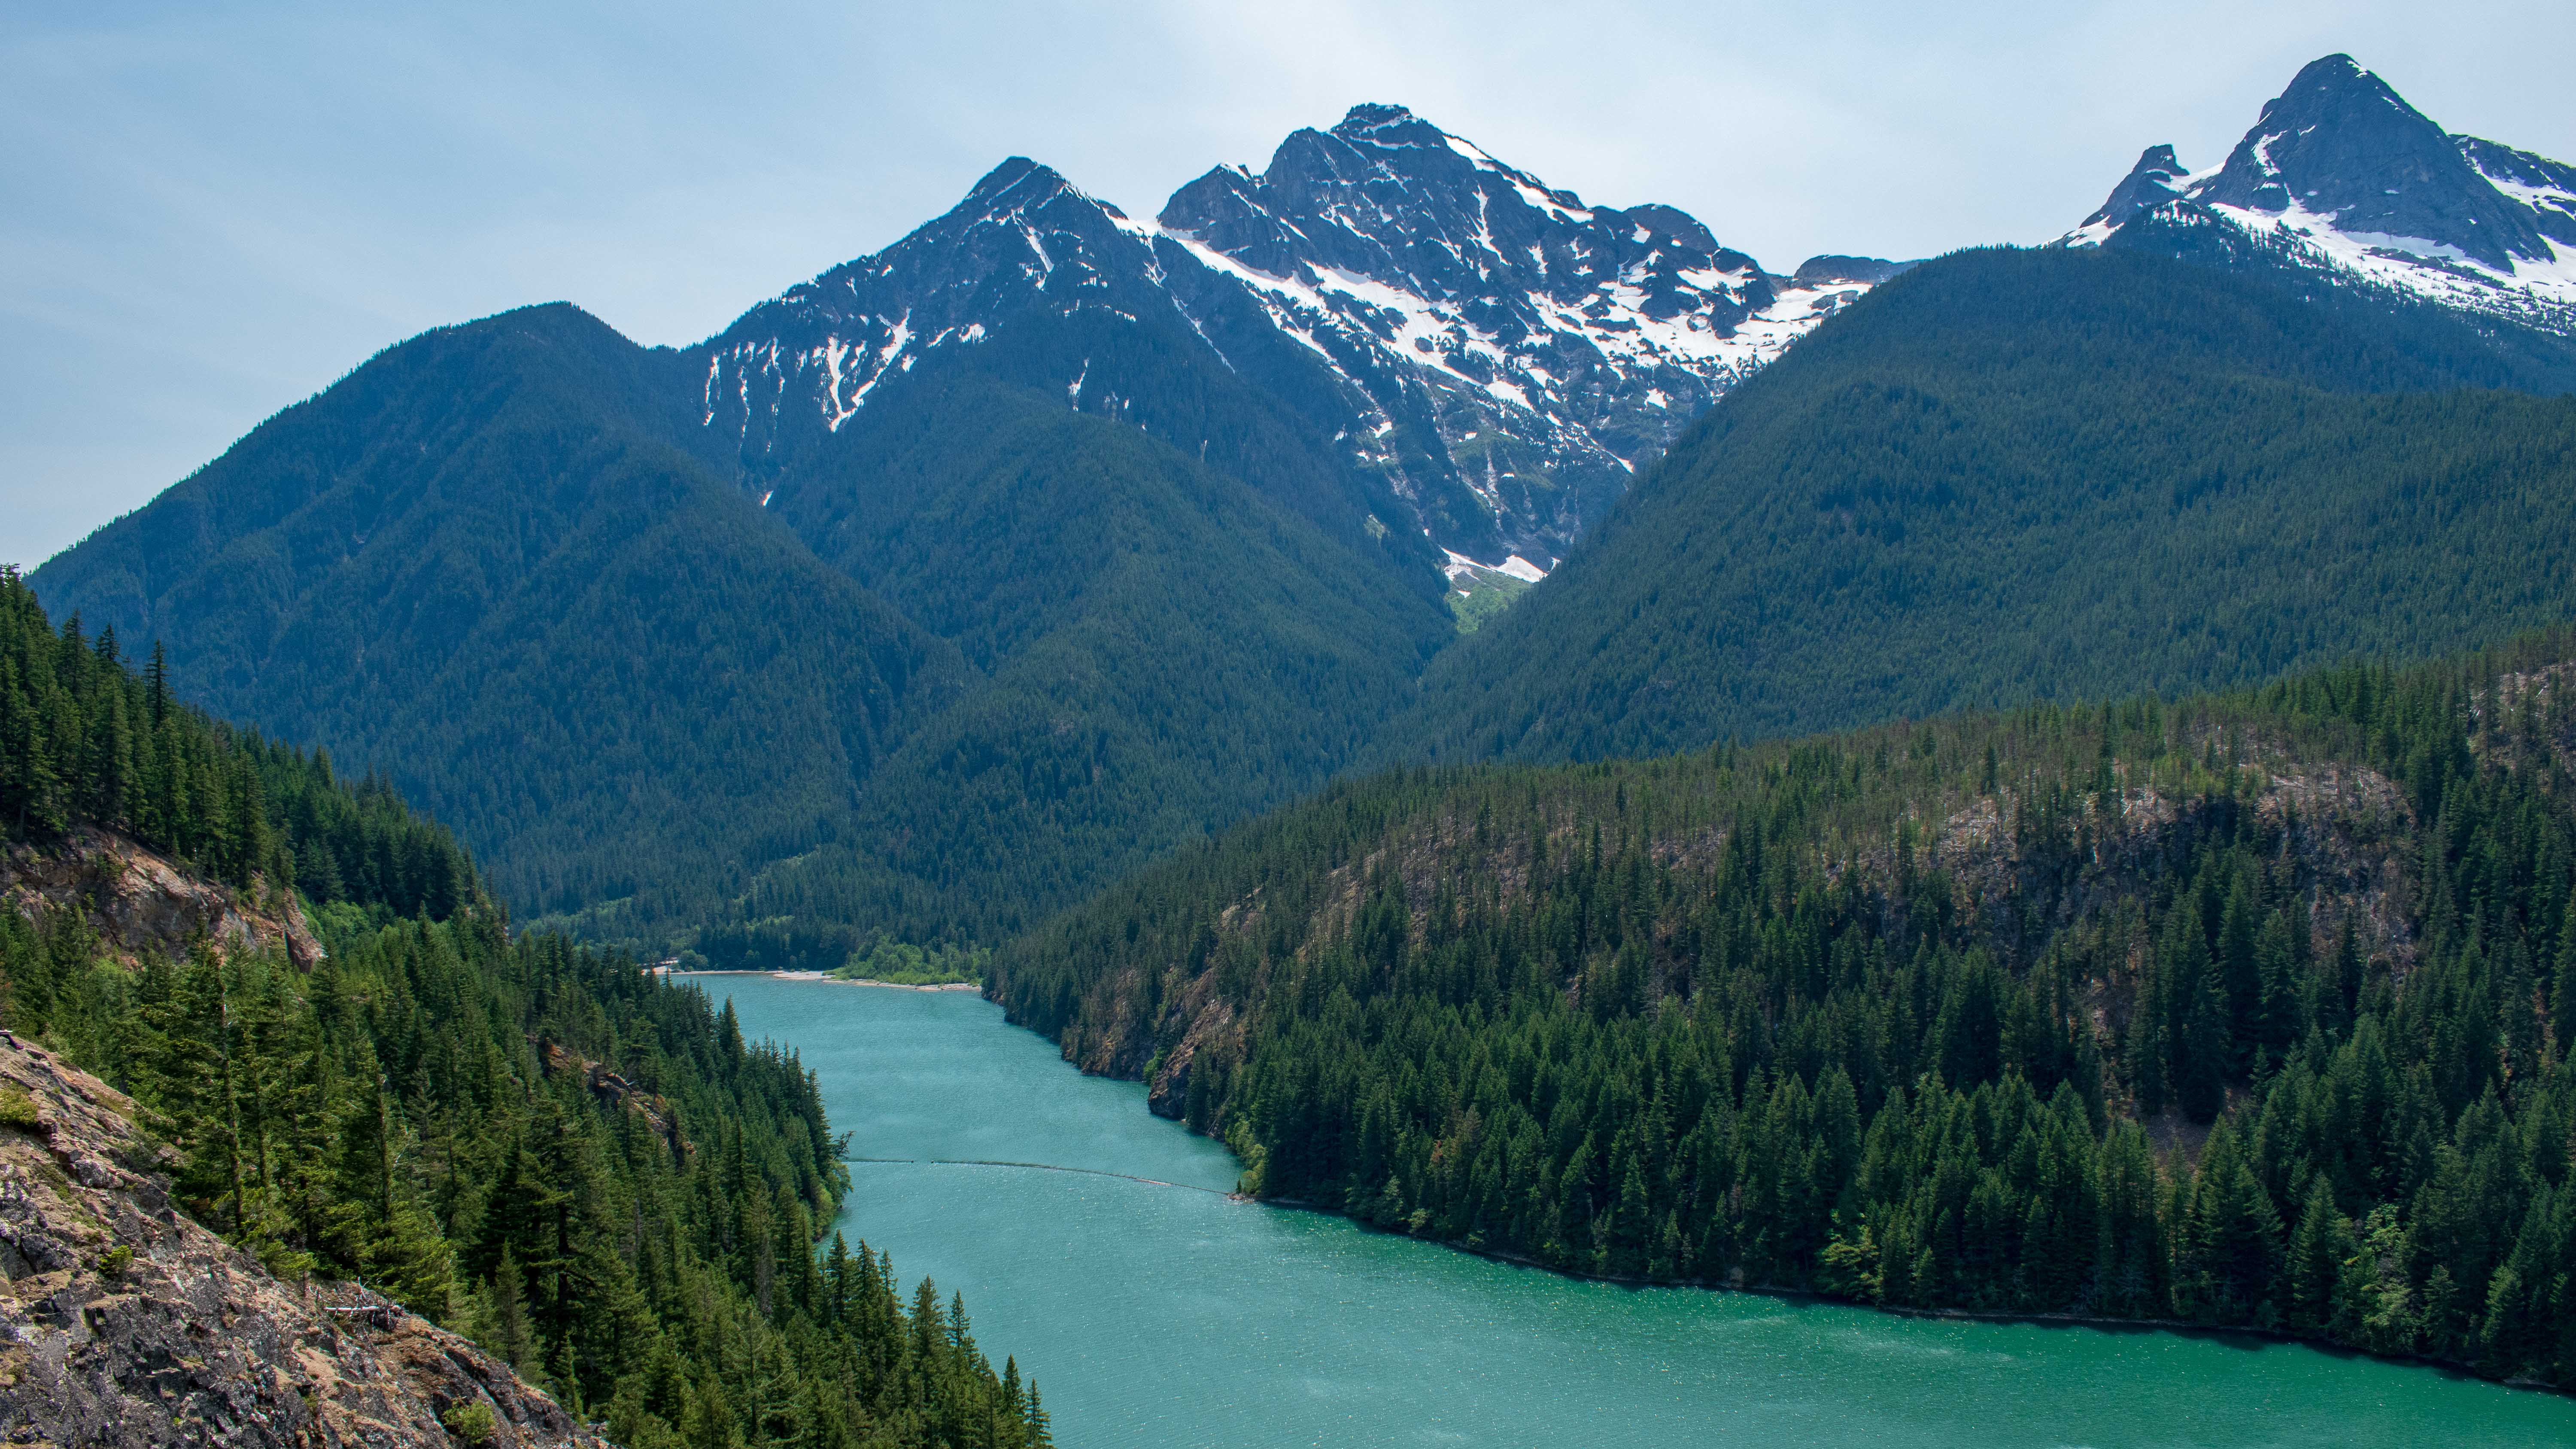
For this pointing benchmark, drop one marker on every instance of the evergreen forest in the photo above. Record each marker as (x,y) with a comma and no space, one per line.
(2016,475)
(2020,809)
(933,677)
(2248,1010)
(577,1163)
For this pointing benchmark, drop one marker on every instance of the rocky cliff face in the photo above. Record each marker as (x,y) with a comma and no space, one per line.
(138,900)
(2353,833)
(1485,353)
(123,1323)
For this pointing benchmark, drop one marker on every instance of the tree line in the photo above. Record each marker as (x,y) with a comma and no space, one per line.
(2014,475)
(2243,1011)
(86,738)
(581,1165)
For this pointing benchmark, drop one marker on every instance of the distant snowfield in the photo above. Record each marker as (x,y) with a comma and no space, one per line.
(1462,567)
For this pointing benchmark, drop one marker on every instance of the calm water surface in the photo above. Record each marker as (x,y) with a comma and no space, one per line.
(1168,1315)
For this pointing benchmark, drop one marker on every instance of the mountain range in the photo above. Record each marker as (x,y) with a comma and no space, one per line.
(2020,474)
(1917,783)
(939,591)
(1492,358)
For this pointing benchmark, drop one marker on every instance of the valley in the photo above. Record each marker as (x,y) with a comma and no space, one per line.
(1179,1317)
(1388,806)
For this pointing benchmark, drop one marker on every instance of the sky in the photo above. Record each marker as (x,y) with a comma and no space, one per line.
(209,212)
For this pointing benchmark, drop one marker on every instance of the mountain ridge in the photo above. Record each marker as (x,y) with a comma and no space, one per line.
(716,632)
(766,631)
(2011,475)
(2339,171)
(1387,325)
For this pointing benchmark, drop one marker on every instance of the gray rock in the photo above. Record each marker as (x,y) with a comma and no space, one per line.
(192,1342)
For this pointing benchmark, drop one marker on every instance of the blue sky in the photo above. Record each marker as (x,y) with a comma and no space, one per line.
(212,211)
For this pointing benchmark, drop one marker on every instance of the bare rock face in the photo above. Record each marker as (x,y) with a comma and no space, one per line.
(138,900)
(125,1324)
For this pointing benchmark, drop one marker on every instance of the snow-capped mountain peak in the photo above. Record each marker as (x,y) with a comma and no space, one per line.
(1501,355)
(2340,170)
(1521,343)
(2340,144)
(1022,237)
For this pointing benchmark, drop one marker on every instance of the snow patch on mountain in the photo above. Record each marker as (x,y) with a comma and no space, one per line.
(2341,172)
(1516,567)
(1506,355)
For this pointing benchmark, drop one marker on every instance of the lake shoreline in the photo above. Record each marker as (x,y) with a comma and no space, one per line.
(2177,1326)
(826,976)
(1091,1281)
(2182,1327)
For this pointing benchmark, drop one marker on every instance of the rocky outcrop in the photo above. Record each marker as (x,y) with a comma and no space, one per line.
(123,1323)
(2346,826)
(2346,833)
(139,901)
(615,1093)
(1213,1027)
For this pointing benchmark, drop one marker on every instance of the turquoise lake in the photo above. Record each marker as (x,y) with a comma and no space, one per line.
(1167,1314)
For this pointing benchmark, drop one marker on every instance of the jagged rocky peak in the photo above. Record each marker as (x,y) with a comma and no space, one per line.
(2158,177)
(1514,353)
(1495,354)
(1389,196)
(1022,222)
(2340,144)
(1023,236)
(2340,172)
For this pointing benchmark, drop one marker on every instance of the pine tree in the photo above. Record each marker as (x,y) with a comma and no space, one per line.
(2318,1248)
(30,796)
(2201,1074)
(505,1329)
(2239,966)
(2230,1248)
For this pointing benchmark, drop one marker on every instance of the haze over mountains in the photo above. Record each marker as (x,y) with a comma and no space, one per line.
(938,591)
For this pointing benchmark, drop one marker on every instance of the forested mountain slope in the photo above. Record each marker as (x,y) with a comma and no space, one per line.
(1164,649)
(1127,527)
(487,565)
(2245,1010)
(581,1166)
(483,564)
(2012,475)
(940,590)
